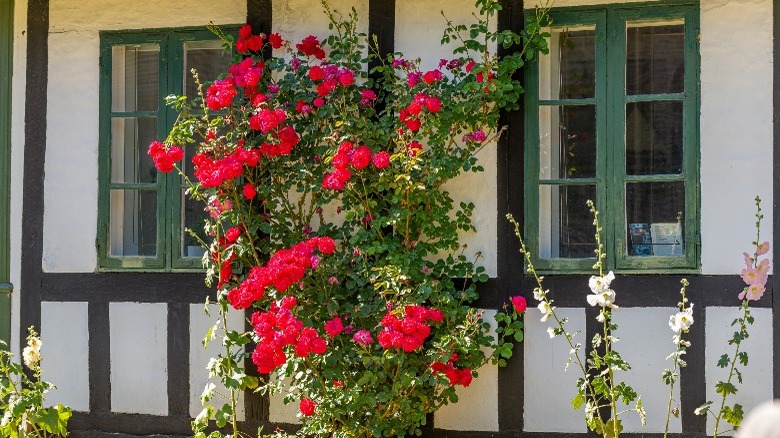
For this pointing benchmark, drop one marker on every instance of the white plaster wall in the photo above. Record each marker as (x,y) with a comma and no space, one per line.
(139,358)
(757,384)
(18,84)
(96,15)
(71,182)
(297,19)
(65,351)
(199,356)
(418,31)
(645,342)
(736,129)
(549,388)
(70,218)
(477,406)
(278,412)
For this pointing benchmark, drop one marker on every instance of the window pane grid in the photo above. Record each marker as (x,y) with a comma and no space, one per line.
(135,114)
(643,81)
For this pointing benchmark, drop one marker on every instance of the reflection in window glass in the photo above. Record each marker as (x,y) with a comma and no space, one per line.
(135,77)
(193,214)
(655,218)
(567,141)
(133,223)
(130,138)
(655,57)
(565,225)
(654,138)
(208,58)
(569,70)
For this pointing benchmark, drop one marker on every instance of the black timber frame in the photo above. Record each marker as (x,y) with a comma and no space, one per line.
(100,289)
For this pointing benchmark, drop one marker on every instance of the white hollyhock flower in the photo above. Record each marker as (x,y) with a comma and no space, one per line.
(31,354)
(539,294)
(545,309)
(604,298)
(551,332)
(600,284)
(681,321)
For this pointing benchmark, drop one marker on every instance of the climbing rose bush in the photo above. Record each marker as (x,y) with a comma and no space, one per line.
(330,226)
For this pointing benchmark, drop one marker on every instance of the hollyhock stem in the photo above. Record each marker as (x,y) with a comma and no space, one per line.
(745,307)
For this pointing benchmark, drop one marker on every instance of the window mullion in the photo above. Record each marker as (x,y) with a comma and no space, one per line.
(610,188)
(163,224)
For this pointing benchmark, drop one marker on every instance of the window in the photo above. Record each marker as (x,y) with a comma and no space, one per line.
(612,115)
(143,214)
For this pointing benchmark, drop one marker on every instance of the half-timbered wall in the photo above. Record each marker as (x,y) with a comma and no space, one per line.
(124,348)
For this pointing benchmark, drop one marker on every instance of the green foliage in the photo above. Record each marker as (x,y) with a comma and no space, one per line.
(22,397)
(398,230)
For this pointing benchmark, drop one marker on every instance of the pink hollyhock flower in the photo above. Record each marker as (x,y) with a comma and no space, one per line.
(754,292)
(519,303)
(307,407)
(752,276)
(363,337)
(762,248)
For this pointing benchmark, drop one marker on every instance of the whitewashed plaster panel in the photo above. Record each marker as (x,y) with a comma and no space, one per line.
(67,15)
(645,343)
(71,182)
(65,351)
(18,86)
(736,129)
(757,384)
(297,19)
(199,356)
(139,358)
(418,31)
(477,406)
(549,387)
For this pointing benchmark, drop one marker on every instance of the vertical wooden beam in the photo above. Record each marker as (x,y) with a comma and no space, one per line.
(34,157)
(178,359)
(259,15)
(99,357)
(510,192)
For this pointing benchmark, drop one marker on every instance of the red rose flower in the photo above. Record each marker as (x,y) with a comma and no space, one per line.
(249,191)
(361,157)
(275,40)
(334,327)
(413,148)
(307,407)
(381,159)
(310,46)
(316,73)
(519,303)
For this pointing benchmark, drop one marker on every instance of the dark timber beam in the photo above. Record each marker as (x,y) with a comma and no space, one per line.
(510,280)
(34,157)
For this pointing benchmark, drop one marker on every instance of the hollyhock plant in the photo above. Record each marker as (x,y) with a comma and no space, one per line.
(330,228)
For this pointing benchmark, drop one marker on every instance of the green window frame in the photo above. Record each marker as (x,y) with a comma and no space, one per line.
(165,189)
(610,180)
(6,74)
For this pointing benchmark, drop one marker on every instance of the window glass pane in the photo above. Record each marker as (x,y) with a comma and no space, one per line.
(565,224)
(654,138)
(135,77)
(208,58)
(654,214)
(569,70)
(130,138)
(567,141)
(193,213)
(133,223)
(655,57)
